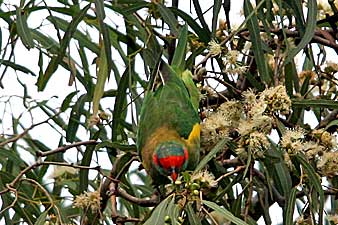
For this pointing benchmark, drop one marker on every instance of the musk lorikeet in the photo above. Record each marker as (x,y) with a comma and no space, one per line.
(168,137)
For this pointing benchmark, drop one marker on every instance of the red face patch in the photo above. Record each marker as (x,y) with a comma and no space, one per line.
(172,161)
(171,164)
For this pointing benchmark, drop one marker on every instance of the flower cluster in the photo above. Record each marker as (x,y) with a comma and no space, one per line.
(292,140)
(204,178)
(324,9)
(277,100)
(230,57)
(253,127)
(219,123)
(257,142)
(231,64)
(215,49)
(307,74)
(328,164)
(318,145)
(52,219)
(252,119)
(333,218)
(331,67)
(193,184)
(257,122)
(88,200)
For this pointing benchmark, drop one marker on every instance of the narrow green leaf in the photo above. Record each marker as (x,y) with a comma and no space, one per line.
(215,12)
(309,30)
(102,76)
(192,217)
(305,86)
(74,119)
(248,164)
(99,5)
(220,145)
(12,156)
(203,34)
(0,36)
(42,218)
(296,8)
(315,103)
(136,6)
(158,214)
(282,177)
(22,28)
(121,165)
(66,102)
(45,41)
(118,145)
(18,67)
(200,15)
(274,163)
(119,107)
(86,160)
(180,51)
(332,123)
(290,206)
(173,211)
(55,61)
(289,70)
(257,46)
(40,64)
(236,207)
(227,214)
(314,180)
(254,82)
(78,35)
(168,17)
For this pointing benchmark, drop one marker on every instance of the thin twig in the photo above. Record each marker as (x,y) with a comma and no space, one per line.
(210,216)
(226,84)
(332,116)
(209,54)
(11,185)
(52,205)
(250,190)
(9,188)
(239,168)
(17,137)
(66,147)
(226,163)
(145,202)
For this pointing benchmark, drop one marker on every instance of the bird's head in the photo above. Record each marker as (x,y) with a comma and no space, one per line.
(170,158)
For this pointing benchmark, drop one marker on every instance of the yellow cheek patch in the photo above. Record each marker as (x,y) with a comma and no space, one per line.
(195,133)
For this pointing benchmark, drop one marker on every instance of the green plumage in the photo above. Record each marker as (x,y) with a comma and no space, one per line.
(167,114)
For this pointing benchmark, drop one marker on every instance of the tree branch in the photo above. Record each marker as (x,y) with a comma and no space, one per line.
(145,202)
(17,137)
(65,148)
(10,186)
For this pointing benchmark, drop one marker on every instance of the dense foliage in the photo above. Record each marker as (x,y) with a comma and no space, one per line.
(260,80)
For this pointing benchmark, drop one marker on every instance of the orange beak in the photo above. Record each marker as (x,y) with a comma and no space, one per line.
(173,176)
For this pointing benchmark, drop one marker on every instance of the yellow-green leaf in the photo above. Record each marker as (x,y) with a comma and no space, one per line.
(22,28)
(102,75)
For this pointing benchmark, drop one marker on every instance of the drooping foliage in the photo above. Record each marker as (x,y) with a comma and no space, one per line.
(72,80)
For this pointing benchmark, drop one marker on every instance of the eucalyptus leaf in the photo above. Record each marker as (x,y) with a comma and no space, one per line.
(220,145)
(160,212)
(227,214)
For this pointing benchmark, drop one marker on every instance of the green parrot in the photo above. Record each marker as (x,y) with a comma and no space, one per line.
(168,137)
